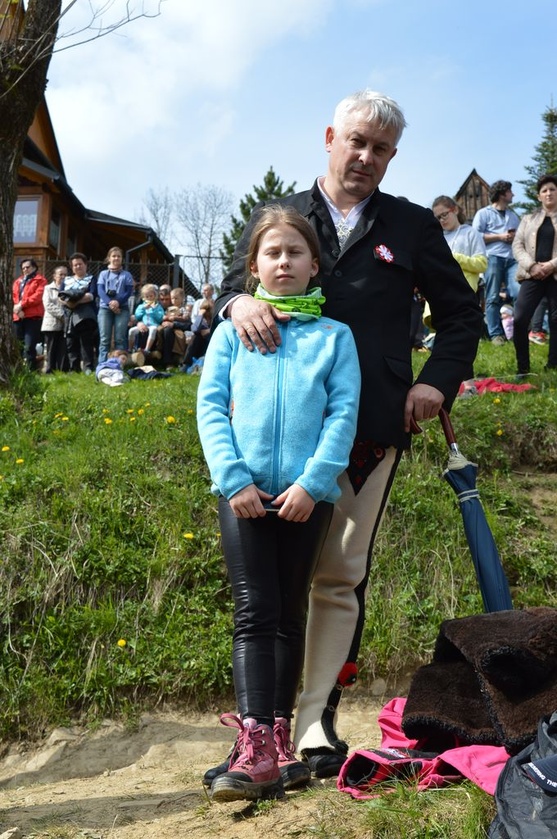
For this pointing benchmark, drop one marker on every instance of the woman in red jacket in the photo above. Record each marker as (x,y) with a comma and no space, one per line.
(28,309)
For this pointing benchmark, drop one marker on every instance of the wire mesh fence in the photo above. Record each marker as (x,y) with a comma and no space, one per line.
(157,273)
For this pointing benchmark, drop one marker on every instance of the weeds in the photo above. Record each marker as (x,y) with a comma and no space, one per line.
(113,594)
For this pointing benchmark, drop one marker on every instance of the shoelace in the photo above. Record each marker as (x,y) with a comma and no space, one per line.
(249,741)
(285,746)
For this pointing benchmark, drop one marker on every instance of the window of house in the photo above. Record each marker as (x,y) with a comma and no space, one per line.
(71,242)
(26,217)
(54,230)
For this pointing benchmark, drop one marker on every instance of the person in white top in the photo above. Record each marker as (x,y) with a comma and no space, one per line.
(467,245)
(208,292)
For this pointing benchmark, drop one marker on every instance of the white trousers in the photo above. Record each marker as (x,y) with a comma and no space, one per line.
(336,602)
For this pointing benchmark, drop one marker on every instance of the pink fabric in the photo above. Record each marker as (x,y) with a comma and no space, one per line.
(480,764)
(492,385)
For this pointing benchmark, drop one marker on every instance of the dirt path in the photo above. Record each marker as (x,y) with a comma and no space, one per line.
(146,784)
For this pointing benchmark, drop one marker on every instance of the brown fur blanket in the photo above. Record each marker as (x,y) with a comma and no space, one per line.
(491,679)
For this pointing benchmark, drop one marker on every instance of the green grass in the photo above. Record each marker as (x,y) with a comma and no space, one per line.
(113,594)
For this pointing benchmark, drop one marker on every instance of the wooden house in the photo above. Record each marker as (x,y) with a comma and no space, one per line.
(472,195)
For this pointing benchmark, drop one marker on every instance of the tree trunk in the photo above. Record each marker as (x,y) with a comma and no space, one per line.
(25,53)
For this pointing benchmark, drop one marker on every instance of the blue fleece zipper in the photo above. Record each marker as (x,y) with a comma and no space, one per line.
(277,430)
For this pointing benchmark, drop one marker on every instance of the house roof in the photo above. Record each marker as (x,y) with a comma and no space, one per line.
(115,223)
(473,175)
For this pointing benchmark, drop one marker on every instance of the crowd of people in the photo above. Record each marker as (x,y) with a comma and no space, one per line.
(511,263)
(79,319)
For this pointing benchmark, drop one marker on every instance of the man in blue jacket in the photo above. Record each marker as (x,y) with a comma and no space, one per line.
(375,250)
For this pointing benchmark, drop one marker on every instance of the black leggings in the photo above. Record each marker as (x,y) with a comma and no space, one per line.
(530,294)
(270,564)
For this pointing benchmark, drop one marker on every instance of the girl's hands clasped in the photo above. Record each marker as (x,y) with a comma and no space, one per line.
(294,504)
(248,503)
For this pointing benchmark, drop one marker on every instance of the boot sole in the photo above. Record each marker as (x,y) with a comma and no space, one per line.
(292,778)
(232,789)
(295,775)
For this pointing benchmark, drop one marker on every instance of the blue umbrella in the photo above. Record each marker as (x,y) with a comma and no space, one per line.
(461,475)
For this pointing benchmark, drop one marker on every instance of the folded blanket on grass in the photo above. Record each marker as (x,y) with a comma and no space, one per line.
(491,679)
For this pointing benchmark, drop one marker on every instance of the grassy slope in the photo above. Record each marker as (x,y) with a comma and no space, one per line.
(112,589)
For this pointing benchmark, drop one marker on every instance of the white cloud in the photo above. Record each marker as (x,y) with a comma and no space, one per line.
(163,86)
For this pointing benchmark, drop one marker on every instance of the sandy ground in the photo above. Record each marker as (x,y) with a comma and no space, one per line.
(146,784)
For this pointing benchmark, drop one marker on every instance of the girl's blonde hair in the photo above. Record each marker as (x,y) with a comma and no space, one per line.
(114,250)
(269,217)
(149,288)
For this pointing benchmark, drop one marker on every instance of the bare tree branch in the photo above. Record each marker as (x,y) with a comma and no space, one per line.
(18,54)
(204,214)
(100,28)
(159,205)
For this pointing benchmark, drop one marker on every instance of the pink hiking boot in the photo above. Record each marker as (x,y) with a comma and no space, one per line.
(294,773)
(254,772)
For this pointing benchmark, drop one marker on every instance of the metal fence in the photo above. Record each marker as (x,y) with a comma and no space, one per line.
(157,273)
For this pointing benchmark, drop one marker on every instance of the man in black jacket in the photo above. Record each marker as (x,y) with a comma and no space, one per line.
(375,250)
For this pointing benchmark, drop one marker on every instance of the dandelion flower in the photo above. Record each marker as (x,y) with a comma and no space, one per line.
(122,642)
(496,401)
(499,432)
(132,419)
(65,419)
(130,411)
(188,535)
(140,411)
(170,420)
(5,448)
(108,421)
(19,460)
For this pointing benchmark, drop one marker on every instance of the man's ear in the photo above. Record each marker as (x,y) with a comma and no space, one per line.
(329,137)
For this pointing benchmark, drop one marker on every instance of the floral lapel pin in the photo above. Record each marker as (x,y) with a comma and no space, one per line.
(383,252)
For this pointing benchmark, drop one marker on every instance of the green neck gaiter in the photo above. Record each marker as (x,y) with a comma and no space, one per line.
(302,306)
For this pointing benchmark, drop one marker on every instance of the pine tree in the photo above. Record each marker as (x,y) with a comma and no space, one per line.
(271,188)
(544,160)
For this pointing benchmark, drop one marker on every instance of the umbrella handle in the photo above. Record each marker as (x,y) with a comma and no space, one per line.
(447,426)
(445,423)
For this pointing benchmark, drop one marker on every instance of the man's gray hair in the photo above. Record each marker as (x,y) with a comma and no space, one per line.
(371,105)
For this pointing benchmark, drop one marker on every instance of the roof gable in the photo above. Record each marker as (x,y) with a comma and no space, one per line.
(42,134)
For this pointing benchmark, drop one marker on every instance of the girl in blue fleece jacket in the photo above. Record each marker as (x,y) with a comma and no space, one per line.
(276,430)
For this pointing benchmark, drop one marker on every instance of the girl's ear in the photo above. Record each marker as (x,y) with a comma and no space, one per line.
(314,268)
(253,270)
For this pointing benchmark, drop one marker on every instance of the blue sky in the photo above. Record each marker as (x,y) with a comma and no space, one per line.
(215,92)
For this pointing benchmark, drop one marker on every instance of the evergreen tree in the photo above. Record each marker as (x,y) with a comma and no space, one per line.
(544,160)
(271,189)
